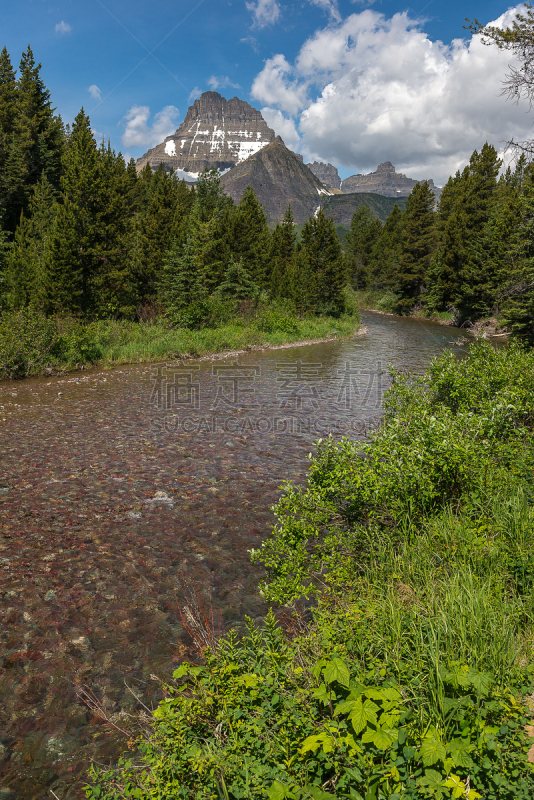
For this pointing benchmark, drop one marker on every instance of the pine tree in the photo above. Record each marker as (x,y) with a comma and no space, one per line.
(516,295)
(8,107)
(362,237)
(281,254)
(383,261)
(237,283)
(250,238)
(26,267)
(418,246)
(302,282)
(479,202)
(155,232)
(210,228)
(325,262)
(445,273)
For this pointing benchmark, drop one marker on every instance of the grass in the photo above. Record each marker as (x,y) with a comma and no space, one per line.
(31,344)
(385,300)
(128,343)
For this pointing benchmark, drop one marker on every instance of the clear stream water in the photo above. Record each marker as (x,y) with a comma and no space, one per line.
(117,488)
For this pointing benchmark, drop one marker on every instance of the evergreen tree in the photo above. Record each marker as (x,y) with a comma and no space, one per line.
(210,228)
(34,145)
(26,267)
(301,282)
(418,246)
(362,237)
(8,109)
(383,260)
(479,201)
(155,232)
(249,237)
(237,283)
(281,254)
(445,273)
(325,262)
(516,296)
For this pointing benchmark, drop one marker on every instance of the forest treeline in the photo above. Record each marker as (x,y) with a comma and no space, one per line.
(84,235)
(472,256)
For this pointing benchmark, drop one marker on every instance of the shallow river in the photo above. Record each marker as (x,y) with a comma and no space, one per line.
(120,488)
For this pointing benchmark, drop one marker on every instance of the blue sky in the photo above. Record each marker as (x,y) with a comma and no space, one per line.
(349,82)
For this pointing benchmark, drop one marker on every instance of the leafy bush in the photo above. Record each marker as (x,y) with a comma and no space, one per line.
(30,343)
(274,319)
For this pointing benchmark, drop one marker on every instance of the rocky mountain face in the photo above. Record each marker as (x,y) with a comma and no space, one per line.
(384,181)
(326,173)
(215,133)
(278,178)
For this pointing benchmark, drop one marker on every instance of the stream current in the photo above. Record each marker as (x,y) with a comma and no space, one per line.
(119,488)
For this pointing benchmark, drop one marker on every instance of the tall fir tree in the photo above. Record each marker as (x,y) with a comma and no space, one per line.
(26,266)
(249,237)
(418,246)
(282,249)
(363,235)
(325,262)
(155,233)
(384,258)
(8,112)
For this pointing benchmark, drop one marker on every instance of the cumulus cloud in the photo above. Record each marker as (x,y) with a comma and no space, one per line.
(275,86)
(371,89)
(63,28)
(282,126)
(94,91)
(222,82)
(264,12)
(138,131)
(330,6)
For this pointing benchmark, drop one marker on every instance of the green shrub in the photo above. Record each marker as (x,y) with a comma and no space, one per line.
(274,319)
(28,343)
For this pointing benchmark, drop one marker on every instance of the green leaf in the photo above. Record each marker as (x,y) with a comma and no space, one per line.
(380,738)
(278,791)
(432,779)
(432,751)
(322,694)
(337,671)
(459,750)
(481,681)
(362,713)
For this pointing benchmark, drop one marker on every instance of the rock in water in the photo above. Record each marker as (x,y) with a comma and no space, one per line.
(215,133)
(278,178)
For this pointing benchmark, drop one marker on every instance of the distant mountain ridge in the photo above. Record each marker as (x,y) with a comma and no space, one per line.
(233,136)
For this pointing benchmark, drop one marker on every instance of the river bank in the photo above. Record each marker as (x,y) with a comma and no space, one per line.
(411,675)
(114,496)
(31,345)
(384,303)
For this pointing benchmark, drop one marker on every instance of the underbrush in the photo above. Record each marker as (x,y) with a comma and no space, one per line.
(408,563)
(32,344)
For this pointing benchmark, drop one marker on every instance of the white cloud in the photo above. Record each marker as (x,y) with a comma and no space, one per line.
(282,126)
(264,12)
(63,28)
(330,6)
(222,82)
(138,132)
(94,91)
(194,94)
(371,89)
(273,86)
(252,41)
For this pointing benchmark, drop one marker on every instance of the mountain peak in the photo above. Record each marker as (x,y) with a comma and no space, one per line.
(215,133)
